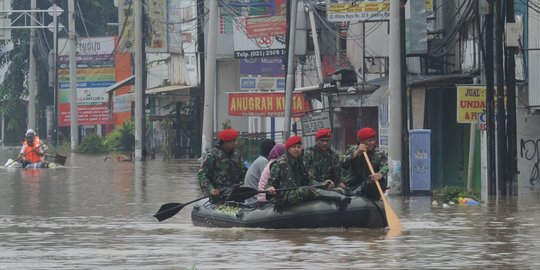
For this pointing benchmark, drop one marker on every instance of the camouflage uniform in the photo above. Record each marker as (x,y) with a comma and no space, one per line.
(357,173)
(220,170)
(322,166)
(291,173)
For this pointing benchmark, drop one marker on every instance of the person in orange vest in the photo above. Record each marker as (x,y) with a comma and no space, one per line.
(33,151)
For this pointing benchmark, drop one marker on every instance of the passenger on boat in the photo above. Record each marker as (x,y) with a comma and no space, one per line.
(33,151)
(254,172)
(290,172)
(357,173)
(322,162)
(277,151)
(222,167)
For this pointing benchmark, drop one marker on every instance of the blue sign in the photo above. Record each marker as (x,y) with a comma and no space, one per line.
(248,83)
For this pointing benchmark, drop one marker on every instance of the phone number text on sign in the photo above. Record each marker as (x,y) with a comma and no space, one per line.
(259,53)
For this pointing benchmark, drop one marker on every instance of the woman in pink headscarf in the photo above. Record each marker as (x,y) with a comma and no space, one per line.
(278,150)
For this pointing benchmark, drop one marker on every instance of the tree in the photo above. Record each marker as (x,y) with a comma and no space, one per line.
(91,20)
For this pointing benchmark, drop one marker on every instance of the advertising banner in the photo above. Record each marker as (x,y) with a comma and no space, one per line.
(265,104)
(93,78)
(346,11)
(266,26)
(263,46)
(262,66)
(471,101)
(262,83)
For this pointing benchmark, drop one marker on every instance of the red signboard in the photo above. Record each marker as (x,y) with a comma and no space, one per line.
(265,104)
(265,26)
(86,115)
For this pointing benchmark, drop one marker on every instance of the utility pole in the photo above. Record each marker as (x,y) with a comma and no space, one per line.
(32,90)
(511,105)
(500,112)
(405,183)
(289,80)
(74,127)
(395,92)
(55,72)
(200,45)
(490,116)
(139,87)
(210,77)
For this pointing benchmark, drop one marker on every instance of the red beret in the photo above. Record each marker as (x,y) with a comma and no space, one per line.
(228,135)
(292,141)
(325,132)
(366,133)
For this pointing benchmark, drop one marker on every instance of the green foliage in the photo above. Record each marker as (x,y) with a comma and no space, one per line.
(453,193)
(63,146)
(92,144)
(226,124)
(91,20)
(122,138)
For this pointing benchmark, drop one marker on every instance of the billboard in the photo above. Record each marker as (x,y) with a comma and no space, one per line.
(156,25)
(95,72)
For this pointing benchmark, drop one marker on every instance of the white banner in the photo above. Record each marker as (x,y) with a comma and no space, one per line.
(266,46)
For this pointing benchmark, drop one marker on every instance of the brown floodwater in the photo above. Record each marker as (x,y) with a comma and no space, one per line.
(93,214)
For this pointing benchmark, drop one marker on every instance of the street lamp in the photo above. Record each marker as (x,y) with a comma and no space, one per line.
(55,11)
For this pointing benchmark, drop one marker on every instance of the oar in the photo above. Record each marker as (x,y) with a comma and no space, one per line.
(241,194)
(168,210)
(392,219)
(60,159)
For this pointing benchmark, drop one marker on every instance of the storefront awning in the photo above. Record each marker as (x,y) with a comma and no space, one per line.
(167,89)
(379,96)
(128,80)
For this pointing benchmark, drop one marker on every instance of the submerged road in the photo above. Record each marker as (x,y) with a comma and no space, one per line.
(93,214)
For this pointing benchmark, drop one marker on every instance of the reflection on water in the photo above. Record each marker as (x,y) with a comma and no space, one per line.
(98,215)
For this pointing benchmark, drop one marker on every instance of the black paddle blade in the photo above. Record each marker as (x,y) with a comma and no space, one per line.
(60,159)
(168,210)
(240,194)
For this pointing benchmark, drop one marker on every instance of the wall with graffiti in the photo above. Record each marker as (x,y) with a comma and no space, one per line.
(528,153)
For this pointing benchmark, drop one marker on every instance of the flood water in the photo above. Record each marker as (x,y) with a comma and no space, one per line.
(98,215)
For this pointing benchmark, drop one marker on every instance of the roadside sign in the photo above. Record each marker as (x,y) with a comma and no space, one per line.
(482,124)
(312,122)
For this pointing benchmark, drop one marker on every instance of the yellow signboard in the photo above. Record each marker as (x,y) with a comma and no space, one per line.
(471,100)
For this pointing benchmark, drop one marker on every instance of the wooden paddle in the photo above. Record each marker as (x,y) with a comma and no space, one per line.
(392,219)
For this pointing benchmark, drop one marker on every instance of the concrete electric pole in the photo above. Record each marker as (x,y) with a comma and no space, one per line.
(394,98)
(139,87)
(32,90)
(210,78)
(74,127)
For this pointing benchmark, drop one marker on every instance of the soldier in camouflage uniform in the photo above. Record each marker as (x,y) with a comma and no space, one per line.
(322,162)
(290,172)
(223,167)
(357,173)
